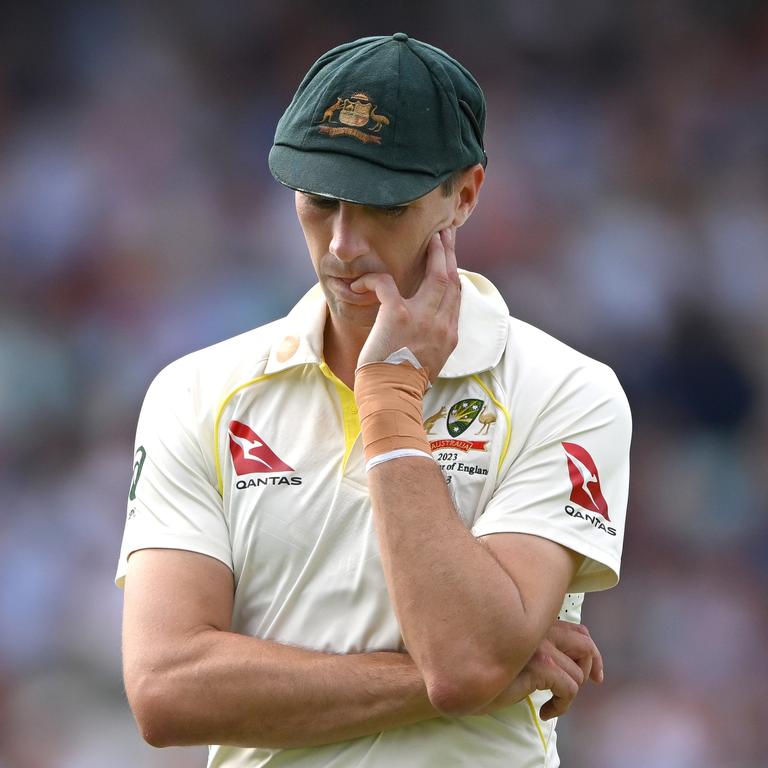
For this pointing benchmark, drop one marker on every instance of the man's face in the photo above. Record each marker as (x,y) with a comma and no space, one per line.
(347,240)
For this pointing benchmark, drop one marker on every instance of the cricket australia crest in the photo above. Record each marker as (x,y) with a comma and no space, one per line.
(462,414)
(354,116)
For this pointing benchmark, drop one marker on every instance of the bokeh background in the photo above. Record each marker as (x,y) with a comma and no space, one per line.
(626,211)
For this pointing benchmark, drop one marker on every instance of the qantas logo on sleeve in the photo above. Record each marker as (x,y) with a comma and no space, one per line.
(585,480)
(250,453)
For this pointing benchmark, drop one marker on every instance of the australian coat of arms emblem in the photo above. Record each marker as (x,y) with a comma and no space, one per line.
(354,116)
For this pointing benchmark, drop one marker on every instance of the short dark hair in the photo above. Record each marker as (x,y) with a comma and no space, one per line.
(448,187)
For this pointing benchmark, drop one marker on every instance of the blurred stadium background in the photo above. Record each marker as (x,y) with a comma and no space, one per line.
(626,211)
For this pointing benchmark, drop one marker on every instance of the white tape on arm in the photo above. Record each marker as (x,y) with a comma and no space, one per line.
(404,355)
(398,453)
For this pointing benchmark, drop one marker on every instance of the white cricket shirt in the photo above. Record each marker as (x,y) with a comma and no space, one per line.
(249,451)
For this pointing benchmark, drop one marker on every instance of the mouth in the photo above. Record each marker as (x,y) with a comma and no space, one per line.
(340,286)
(348,278)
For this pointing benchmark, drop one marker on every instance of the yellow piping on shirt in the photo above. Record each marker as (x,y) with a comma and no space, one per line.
(504,450)
(349,415)
(507,419)
(348,410)
(219,478)
(535,718)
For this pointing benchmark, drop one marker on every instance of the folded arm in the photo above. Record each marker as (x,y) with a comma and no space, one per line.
(190,680)
(472,611)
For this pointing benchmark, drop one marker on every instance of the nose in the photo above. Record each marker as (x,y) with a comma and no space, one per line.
(348,237)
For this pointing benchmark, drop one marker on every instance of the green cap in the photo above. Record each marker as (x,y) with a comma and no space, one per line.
(380,121)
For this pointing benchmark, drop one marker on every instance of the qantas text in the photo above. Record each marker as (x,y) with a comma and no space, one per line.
(594,519)
(256,482)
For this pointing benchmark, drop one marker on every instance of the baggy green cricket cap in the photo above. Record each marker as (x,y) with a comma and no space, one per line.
(380,121)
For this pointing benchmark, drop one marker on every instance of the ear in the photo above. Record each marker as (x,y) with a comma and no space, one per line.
(467,193)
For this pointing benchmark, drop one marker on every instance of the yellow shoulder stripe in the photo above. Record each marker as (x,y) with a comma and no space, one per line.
(224,403)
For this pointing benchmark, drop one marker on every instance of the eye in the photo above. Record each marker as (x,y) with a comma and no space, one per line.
(392,211)
(325,203)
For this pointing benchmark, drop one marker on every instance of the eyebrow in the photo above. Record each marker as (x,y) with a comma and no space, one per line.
(330,198)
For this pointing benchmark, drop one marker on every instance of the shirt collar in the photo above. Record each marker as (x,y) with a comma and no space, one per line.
(483,330)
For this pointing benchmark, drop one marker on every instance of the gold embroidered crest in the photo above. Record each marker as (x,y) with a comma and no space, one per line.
(355,112)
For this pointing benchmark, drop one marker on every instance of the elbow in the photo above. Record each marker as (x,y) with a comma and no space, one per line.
(153,712)
(154,735)
(468,693)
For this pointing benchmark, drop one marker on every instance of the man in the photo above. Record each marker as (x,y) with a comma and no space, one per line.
(351,531)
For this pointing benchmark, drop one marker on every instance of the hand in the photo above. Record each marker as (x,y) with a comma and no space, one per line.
(565,659)
(428,322)
(575,642)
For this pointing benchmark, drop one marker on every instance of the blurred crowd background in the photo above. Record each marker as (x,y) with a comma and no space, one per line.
(626,211)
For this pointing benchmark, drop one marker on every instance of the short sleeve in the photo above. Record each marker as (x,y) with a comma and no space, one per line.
(173,501)
(569,483)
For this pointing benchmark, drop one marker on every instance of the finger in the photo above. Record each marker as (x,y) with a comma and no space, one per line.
(597,672)
(451,302)
(555,707)
(598,669)
(448,238)
(585,664)
(573,669)
(436,280)
(552,667)
(562,681)
(448,311)
(382,284)
(581,658)
(575,641)
(579,647)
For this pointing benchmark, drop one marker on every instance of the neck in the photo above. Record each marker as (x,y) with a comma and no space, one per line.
(341,348)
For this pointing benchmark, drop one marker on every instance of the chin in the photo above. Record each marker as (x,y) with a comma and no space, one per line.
(362,315)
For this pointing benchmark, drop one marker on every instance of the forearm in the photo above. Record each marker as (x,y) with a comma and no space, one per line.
(461,614)
(225,688)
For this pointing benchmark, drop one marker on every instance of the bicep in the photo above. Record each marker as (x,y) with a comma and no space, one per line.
(569,482)
(170,595)
(541,569)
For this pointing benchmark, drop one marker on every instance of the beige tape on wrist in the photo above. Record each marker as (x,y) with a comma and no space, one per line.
(389,404)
